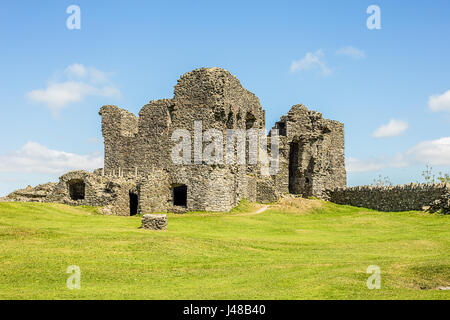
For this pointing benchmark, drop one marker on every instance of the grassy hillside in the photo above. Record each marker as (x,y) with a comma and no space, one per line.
(297,250)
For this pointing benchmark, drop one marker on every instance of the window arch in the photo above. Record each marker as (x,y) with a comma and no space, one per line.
(77,189)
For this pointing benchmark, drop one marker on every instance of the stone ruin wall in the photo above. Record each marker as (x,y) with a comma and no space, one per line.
(30,194)
(417,197)
(142,145)
(313,154)
(138,158)
(138,153)
(111,193)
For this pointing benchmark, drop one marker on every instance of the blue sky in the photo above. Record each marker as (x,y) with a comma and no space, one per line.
(389,86)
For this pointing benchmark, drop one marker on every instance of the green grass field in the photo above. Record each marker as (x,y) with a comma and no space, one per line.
(321,252)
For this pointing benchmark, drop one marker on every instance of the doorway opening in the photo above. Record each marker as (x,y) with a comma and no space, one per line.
(180,195)
(294,173)
(77,189)
(134,201)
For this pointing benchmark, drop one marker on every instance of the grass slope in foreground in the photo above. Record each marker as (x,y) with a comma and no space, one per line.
(291,251)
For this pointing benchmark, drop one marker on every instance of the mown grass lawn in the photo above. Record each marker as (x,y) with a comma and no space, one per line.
(319,253)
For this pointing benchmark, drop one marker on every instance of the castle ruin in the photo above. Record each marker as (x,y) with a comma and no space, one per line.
(139,175)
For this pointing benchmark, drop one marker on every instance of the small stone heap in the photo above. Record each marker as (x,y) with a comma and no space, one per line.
(154,221)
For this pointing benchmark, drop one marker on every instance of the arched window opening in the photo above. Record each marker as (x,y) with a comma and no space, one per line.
(77,189)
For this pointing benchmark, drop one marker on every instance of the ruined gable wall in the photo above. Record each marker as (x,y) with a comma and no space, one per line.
(220,93)
(311,152)
(119,129)
(217,98)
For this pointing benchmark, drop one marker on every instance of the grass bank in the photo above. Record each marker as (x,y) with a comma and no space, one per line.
(287,252)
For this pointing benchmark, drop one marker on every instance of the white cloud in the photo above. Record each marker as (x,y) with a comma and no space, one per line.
(351,52)
(434,152)
(312,60)
(90,74)
(81,82)
(76,70)
(35,158)
(440,102)
(392,129)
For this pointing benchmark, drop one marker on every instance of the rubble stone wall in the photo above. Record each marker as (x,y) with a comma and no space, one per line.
(312,152)
(433,197)
(138,153)
(140,146)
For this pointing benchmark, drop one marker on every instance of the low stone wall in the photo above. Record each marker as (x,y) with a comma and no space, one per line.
(433,197)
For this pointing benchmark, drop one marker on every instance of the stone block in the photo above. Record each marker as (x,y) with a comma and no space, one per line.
(154,221)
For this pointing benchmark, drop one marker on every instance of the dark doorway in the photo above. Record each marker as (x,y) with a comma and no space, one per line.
(134,200)
(76,189)
(180,196)
(294,174)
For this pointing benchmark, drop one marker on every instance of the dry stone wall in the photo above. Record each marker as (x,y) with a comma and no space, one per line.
(433,197)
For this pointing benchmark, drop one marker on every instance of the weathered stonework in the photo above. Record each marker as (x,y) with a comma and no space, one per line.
(154,221)
(430,197)
(139,175)
(39,193)
(312,151)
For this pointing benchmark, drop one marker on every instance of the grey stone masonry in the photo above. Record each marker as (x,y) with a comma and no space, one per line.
(39,193)
(312,150)
(139,175)
(154,221)
(431,197)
